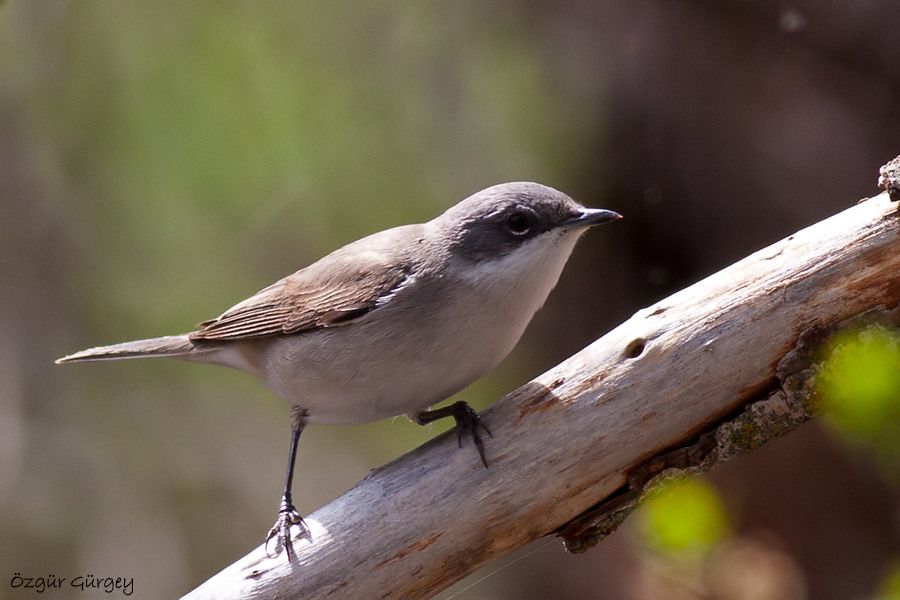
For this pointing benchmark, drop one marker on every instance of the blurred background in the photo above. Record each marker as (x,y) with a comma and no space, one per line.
(161,161)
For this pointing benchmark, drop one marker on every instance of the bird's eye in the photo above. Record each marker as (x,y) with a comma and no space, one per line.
(518,223)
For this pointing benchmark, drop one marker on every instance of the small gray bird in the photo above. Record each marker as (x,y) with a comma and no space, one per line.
(395,322)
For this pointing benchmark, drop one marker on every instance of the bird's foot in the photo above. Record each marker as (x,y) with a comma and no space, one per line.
(468,422)
(281,530)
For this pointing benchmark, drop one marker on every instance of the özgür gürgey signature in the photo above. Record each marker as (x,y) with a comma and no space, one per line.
(39,585)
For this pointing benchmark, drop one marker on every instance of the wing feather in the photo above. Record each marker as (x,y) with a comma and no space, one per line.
(309,299)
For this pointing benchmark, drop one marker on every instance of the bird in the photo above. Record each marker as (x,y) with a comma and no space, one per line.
(392,323)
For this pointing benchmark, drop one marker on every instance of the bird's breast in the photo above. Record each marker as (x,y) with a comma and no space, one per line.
(435,337)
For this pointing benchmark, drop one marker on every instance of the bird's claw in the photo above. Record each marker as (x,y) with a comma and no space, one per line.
(281,530)
(468,421)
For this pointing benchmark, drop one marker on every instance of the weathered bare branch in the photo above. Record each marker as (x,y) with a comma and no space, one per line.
(714,370)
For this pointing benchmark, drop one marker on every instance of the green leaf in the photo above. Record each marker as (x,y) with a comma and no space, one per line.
(685,517)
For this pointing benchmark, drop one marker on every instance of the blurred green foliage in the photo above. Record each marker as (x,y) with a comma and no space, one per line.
(195,130)
(890,586)
(686,518)
(860,385)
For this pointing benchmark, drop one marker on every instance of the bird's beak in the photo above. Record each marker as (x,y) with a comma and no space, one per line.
(592,216)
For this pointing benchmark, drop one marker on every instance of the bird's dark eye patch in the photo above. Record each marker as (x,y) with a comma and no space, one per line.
(496,234)
(519,223)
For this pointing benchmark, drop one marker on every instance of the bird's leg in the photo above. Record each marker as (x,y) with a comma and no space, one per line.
(467,421)
(287,514)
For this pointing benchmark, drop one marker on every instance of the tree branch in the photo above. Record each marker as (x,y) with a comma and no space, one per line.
(714,370)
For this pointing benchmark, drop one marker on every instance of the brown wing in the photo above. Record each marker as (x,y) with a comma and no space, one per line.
(289,307)
(325,294)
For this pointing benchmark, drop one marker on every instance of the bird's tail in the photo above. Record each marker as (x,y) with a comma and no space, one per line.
(170,345)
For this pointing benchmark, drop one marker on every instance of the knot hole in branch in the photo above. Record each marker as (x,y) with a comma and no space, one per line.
(635,348)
